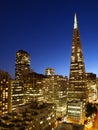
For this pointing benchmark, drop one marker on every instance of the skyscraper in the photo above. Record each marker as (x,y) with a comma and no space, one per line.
(22,68)
(22,65)
(77,90)
(54,90)
(5,92)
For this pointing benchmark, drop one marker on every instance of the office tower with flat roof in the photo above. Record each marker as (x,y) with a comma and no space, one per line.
(22,65)
(54,91)
(33,87)
(77,90)
(92,87)
(5,92)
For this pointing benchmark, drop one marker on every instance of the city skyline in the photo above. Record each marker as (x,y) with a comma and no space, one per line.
(44,29)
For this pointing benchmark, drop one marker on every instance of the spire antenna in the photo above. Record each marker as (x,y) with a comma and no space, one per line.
(75,21)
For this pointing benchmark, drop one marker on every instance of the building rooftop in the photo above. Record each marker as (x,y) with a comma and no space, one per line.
(70,126)
(27,116)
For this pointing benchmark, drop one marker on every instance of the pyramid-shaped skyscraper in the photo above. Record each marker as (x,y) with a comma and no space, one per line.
(77,90)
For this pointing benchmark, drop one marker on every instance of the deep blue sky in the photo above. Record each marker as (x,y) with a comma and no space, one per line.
(44,29)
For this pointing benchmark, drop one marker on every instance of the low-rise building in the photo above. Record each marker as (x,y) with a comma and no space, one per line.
(33,116)
(70,126)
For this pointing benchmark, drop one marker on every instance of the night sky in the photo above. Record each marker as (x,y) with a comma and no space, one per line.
(44,29)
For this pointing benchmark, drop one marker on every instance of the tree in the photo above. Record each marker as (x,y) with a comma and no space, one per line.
(90,109)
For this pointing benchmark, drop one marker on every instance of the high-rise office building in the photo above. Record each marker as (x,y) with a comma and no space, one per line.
(22,65)
(77,90)
(92,87)
(17,93)
(33,87)
(5,92)
(54,91)
(22,68)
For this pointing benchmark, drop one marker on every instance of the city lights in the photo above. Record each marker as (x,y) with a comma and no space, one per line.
(34,101)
